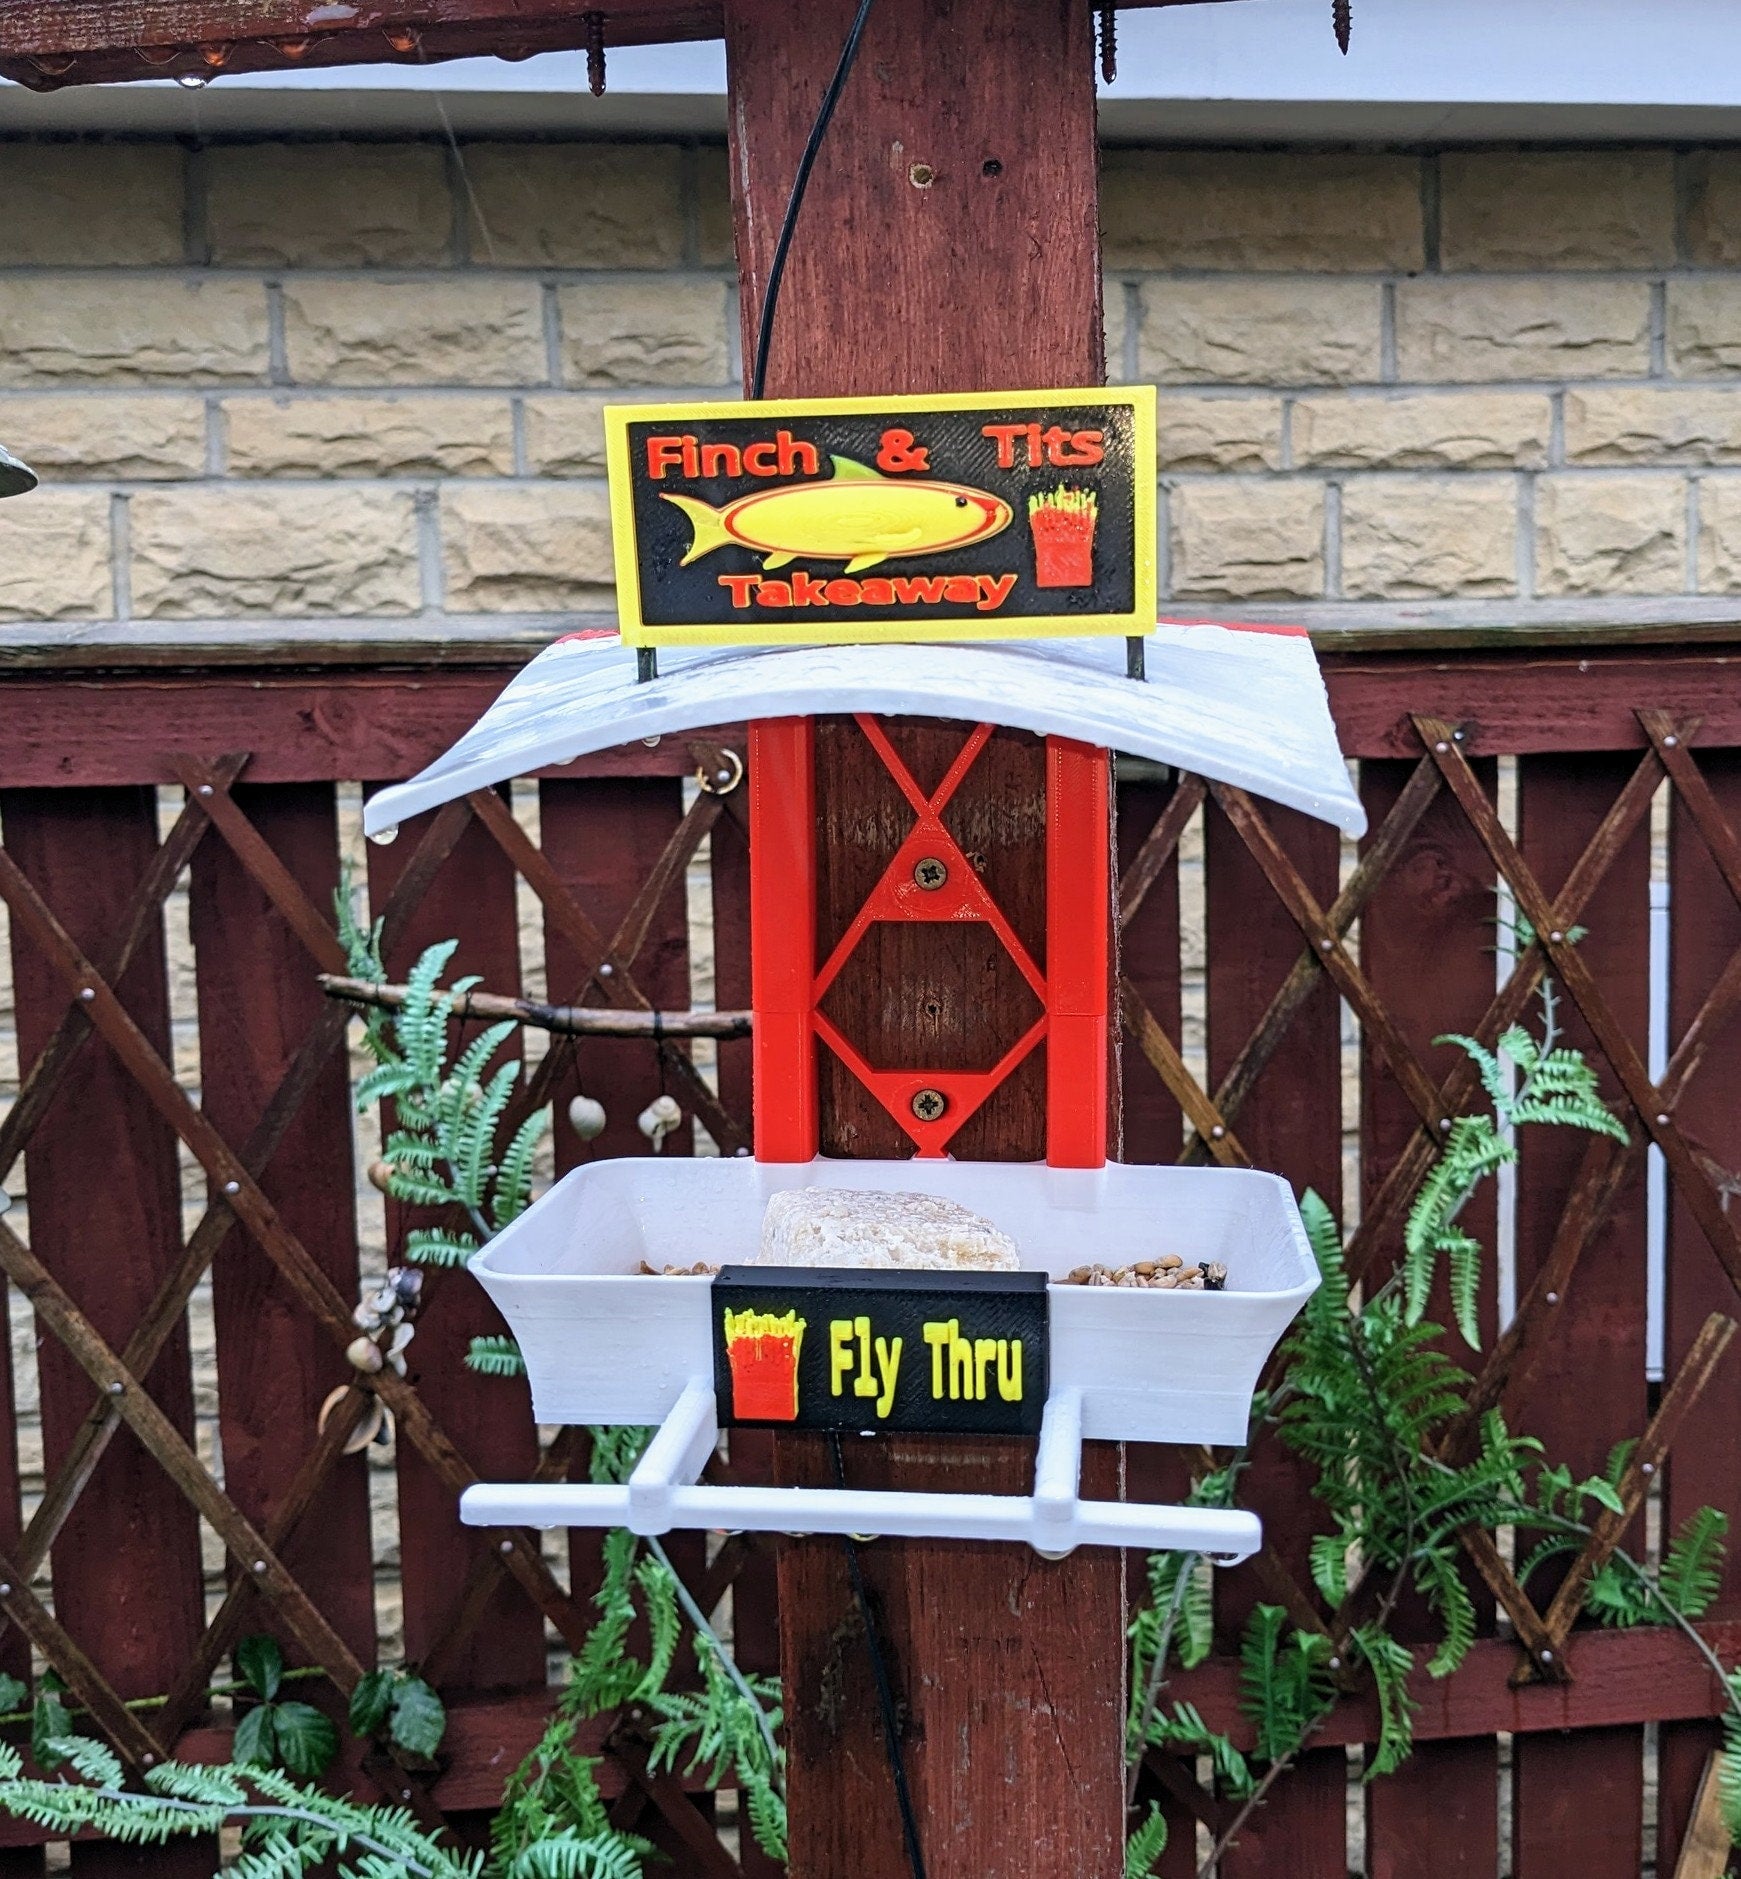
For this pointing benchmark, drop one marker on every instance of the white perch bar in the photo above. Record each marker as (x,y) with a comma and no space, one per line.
(662,1494)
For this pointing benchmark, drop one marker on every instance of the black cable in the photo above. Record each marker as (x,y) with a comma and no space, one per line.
(795,202)
(885,1690)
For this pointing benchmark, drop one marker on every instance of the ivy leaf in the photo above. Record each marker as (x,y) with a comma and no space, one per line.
(256,1738)
(307,1740)
(370,1701)
(261,1663)
(419,1718)
(14,1693)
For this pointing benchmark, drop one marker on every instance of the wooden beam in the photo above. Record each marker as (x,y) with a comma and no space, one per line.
(948,242)
(50,44)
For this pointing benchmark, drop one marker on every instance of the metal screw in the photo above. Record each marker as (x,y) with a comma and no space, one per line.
(232,1187)
(1444,1125)
(1326,945)
(117,1388)
(606,970)
(259,1565)
(1662,1120)
(87,992)
(1671,740)
(929,1105)
(1553,1298)
(1335,1663)
(1441,745)
(930,873)
(5,1591)
(506,1546)
(1547,1657)
(148,1761)
(1216,1133)
(1648,1467)
(205,789)
(1456,737)
(1556,936)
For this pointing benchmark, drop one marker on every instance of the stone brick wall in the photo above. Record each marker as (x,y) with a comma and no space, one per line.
(360,383)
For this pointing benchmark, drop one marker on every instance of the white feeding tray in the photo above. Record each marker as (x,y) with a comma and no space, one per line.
(606,1343)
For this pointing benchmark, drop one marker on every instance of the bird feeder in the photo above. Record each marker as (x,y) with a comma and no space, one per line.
(606,1340)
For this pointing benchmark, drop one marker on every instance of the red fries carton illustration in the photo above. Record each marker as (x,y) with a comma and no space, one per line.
(763,1351)
(1062,522)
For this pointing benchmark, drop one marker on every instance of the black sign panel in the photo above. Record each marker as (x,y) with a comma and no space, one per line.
(944,1353)
(975,516)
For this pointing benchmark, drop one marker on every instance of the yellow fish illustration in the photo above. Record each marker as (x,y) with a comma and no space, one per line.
(858,516)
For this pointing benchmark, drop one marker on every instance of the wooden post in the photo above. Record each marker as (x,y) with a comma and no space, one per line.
(948,243)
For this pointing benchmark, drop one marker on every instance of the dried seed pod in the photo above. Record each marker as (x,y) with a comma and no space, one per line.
(586,1116)
(365,1353)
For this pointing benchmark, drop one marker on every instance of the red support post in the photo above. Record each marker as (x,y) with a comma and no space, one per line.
(1078,930)
(783,929)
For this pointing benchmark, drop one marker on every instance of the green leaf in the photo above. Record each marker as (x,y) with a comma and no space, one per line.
(14,1693)
(496,1356)
(307,1740)
(419,1717)
(50,1722)
(1692,1569)
(1390,1664)
(370,1701)
(256,1738)
(1146,1845)
(261,1663)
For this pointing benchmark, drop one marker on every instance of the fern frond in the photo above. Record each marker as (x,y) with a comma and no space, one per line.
(496,1356)
(1691,1573)
(1146,1845)
(1390,1663)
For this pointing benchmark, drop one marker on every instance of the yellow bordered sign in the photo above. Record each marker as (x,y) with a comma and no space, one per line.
(984,515)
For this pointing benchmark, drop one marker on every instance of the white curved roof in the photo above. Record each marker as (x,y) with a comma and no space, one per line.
(1241,705)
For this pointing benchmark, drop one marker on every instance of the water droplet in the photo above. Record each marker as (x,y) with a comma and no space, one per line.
(384,838)
(192,81)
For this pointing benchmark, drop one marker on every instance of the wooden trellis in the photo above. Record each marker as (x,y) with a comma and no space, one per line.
(1288,940)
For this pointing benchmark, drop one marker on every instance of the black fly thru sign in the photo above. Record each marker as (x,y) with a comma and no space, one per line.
(978,516)
(939,1353)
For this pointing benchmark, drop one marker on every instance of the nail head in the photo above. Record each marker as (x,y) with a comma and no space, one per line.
(117,1388)
(259,1565)
(1326,945)
(1556,936)
(1217,1131)
(507,1546)
(1648,1467)
(606,970)
(232,1187)
(205,789)
(1662,1119)
(87,992)
(1671,740)
(1553,1298)
(1547,1657)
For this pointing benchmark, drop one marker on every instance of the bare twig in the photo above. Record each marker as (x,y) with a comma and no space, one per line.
(569,1020)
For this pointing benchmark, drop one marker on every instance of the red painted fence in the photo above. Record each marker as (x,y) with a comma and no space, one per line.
(1320,979)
